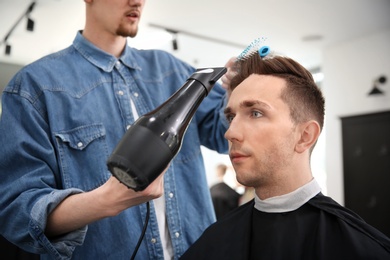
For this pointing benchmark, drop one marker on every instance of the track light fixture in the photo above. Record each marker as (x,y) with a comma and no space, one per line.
(30,27)
(376,90)
(30,24)
(175,45)
(7,49)
(199,36)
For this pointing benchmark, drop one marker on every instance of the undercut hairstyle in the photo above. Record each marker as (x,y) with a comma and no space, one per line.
(301,94)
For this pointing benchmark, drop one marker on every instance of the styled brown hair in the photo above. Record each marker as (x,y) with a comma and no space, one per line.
(301,94)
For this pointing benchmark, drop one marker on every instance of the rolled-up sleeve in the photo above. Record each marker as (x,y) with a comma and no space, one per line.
(61,247)
(29,175)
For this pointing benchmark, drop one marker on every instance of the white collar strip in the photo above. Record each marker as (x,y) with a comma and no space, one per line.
(290,201)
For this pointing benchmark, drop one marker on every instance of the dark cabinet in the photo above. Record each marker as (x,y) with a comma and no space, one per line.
(366,163)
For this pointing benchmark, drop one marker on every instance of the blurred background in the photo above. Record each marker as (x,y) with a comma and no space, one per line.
(344,43)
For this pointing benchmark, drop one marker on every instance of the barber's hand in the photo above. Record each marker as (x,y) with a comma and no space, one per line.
(226,79)
(118,197)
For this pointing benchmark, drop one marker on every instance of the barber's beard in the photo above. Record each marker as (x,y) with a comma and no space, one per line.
(125,32)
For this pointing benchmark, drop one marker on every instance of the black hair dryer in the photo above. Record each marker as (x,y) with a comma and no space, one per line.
(155,138)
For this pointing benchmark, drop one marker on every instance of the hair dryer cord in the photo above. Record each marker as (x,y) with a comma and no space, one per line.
(143,230)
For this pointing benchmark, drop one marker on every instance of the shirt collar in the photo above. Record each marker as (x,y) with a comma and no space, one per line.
(102,59)
(288,202)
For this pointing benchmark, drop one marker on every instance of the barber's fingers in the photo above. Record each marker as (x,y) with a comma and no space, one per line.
(230,62)
(156,188)
(228,76)
(117,197)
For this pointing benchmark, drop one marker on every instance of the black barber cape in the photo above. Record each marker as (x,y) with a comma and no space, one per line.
(225,199)
(320,229)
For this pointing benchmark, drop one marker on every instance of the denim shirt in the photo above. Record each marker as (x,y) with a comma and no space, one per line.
(63,115)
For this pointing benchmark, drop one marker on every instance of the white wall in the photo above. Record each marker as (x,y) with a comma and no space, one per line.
(349,71)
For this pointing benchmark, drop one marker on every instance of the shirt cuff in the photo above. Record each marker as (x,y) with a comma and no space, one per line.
(61,247)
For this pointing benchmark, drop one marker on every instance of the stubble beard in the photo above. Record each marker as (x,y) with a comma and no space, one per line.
(264,171)
(125,32)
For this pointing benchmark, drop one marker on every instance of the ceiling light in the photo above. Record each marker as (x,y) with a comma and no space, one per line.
(30,24)
(7,49)
(175,46)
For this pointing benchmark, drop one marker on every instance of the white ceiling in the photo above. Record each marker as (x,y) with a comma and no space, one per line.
(234,23)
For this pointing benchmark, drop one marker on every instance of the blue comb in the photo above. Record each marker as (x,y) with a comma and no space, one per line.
(256,46)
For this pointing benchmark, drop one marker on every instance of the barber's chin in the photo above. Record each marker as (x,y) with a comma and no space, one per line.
(127,33)
(133,34)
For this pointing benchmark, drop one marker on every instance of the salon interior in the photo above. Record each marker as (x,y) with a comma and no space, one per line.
(345,44)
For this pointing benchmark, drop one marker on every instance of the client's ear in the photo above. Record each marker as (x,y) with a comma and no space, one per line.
(309,133)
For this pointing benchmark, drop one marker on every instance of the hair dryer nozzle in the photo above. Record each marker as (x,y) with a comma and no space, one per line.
(208,76)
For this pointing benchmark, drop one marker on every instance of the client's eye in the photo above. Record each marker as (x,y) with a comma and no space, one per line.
(229,117)
(257,114)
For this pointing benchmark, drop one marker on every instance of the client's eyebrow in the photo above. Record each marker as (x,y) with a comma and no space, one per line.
(247,104)
(251,103)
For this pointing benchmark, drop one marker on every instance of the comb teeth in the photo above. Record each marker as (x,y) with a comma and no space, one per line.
(254,47)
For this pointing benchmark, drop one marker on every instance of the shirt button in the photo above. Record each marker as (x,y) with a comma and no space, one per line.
(120,92)
(153,240)
(79,144)
(136,94)
(177,234)
(170,195)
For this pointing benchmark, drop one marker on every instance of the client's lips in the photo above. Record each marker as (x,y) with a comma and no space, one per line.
(133,14)
(236,157)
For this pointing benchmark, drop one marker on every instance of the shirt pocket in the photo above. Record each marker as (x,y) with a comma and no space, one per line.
(83,153)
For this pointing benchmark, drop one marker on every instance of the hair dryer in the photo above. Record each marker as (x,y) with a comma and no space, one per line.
(155,138)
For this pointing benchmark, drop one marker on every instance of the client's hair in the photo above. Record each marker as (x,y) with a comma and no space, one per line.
(301,94)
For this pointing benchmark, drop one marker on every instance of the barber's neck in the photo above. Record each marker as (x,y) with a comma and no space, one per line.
(112,44)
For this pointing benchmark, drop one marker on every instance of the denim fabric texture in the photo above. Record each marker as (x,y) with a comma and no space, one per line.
(63,115)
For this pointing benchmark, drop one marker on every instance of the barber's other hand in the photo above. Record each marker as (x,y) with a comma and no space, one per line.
(226,79)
